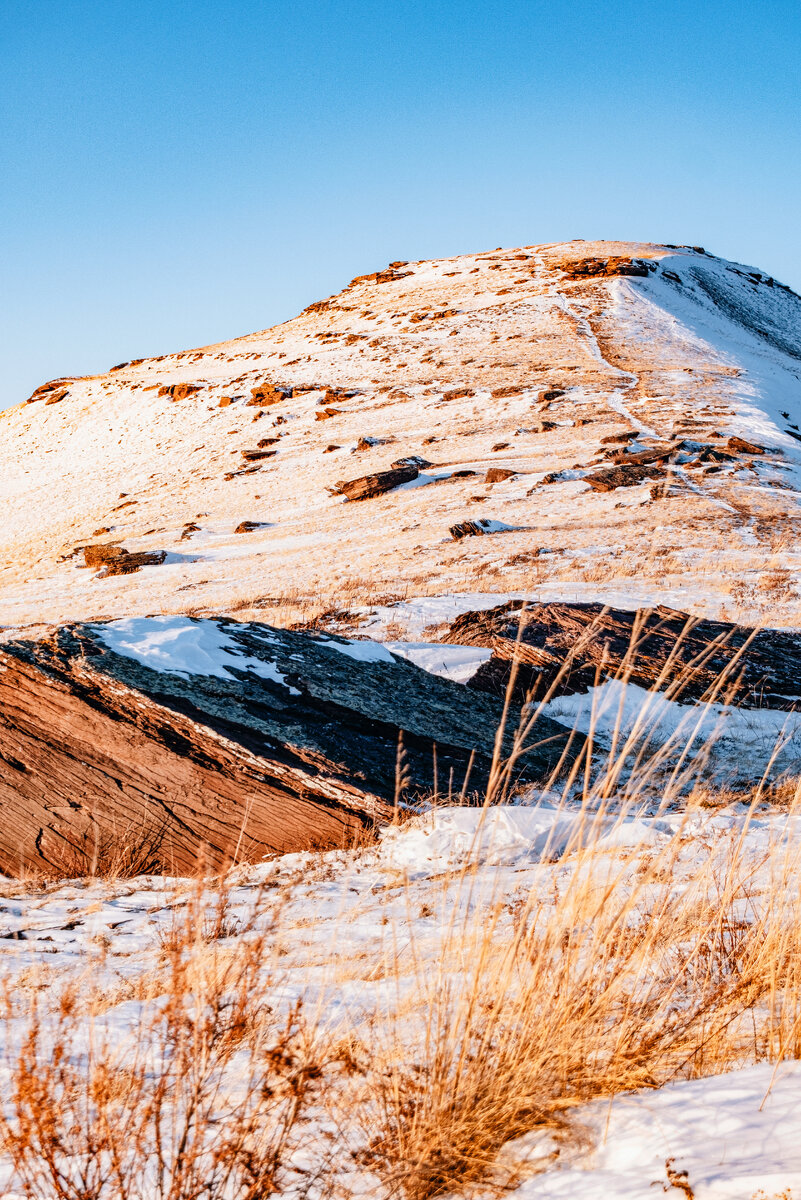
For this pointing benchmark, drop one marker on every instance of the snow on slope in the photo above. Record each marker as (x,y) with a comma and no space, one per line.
(543,363)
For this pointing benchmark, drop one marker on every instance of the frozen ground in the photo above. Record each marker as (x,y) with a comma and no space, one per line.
(346,916)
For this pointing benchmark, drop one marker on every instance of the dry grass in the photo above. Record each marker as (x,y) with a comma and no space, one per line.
(121,852)
(500,1011)
(199,1100)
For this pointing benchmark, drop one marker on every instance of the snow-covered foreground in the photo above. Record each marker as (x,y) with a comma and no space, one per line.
(383,945)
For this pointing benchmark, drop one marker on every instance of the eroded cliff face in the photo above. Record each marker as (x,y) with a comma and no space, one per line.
(287,742)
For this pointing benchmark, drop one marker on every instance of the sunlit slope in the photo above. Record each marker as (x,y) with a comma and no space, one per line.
(524,359)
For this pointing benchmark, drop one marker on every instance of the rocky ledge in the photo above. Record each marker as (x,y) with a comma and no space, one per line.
(571,647)
(233,740)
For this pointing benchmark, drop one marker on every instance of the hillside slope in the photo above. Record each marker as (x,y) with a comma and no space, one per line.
(630,363)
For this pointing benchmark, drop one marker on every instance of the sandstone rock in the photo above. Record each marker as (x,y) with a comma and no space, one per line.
(412,460)
(367,486)
(625,476)
(268,394)
(500,446)
(367,443)
(231,767)
(498,474)
(325,414)
(257,455)
(651,454)
(476,528)
(179,391)
(114,559)
(53,391)
(458,393)
(224,401)
(388,276)
(249,526)
(741,446)
(612,438)
(608,267)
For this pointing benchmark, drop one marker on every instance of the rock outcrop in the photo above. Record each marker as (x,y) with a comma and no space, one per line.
(291,741)
(367,486)
(114,559)
(580,645)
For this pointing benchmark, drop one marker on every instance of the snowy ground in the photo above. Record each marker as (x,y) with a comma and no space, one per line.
(737,1136)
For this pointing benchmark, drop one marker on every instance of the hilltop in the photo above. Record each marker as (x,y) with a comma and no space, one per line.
(620,421)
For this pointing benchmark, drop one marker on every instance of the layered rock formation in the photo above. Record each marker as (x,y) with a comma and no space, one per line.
(568,648)
(231,740)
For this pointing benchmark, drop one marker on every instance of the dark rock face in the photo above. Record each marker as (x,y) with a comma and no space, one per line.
(305,753)
(655,648)
(498,474)
(367,486)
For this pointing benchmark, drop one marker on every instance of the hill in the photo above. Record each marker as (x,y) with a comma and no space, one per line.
(617,420)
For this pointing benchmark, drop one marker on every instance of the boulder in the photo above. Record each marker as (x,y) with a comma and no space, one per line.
(608,267)
(412,460)
(741,446)
(249,526)
(268,394)
(114,559)
(296,741)
(179,391)
(477,528)
(623,476)
(53,391)
(498,474)
(367,486)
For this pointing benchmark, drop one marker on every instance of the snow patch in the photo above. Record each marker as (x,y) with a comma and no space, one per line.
(184,646)
(457,663)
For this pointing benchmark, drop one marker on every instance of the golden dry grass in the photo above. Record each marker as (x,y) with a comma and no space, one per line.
(500,1012)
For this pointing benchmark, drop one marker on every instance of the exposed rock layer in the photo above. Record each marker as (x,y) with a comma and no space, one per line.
(242,765)
(578,645)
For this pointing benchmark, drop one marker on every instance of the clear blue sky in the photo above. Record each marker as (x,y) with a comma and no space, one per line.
(183,171)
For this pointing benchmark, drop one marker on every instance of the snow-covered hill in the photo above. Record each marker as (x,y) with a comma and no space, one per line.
(524,359)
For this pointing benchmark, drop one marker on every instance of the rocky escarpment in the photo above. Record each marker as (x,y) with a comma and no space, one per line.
(269,741)
(572,647)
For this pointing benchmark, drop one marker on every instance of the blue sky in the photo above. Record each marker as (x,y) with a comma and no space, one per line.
(181,172)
